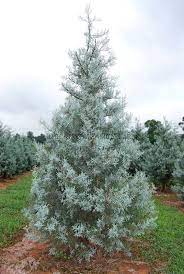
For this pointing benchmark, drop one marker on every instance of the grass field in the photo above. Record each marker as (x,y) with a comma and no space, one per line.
(164,244)
(12,201)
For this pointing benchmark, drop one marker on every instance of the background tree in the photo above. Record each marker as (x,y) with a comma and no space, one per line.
(160,157)
(7,163)
(30,135)
(181,124)
(140,135)
(153,129)
(179,173)
(40,138)
(17,153)
(83,194)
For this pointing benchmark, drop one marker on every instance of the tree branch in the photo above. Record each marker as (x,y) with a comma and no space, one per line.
(81,64)
(72,93)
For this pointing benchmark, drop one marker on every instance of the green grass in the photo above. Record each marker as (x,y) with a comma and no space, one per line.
(12,201)
(166,242)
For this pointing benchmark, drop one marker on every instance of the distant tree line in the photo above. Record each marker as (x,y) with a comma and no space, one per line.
(39,139)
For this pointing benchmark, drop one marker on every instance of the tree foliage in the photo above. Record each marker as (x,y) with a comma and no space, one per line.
(153,129)
(160,156)
(17,153)
(83,194)
(179,173)
(40,139)
(181,124)
(140,135)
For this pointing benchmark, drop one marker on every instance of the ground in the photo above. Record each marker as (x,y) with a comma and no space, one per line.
(159,251)
(30,257)
(4,183)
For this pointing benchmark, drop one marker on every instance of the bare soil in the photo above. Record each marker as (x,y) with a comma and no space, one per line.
(27,256)
(4,183)
(171,199)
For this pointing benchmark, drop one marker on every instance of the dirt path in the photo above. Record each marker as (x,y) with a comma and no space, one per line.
(171,199)
(31,257)
(26,256)
(21,257)
(4,183)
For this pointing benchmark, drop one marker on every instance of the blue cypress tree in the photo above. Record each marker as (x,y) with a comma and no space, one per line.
(83,195)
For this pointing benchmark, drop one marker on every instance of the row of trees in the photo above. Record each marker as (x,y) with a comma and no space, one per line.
(162,156)
(17,153)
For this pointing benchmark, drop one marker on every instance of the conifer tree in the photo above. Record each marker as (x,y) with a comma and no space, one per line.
(139,134)
(83,195)
(179,173)
(17,153)
(160,156)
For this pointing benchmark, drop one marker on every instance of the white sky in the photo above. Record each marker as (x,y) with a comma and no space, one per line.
(147,38)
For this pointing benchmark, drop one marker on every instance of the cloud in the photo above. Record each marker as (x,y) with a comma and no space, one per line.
(147,37)
(24,103)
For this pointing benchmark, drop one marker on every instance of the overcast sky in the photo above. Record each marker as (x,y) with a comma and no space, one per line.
(147,38)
